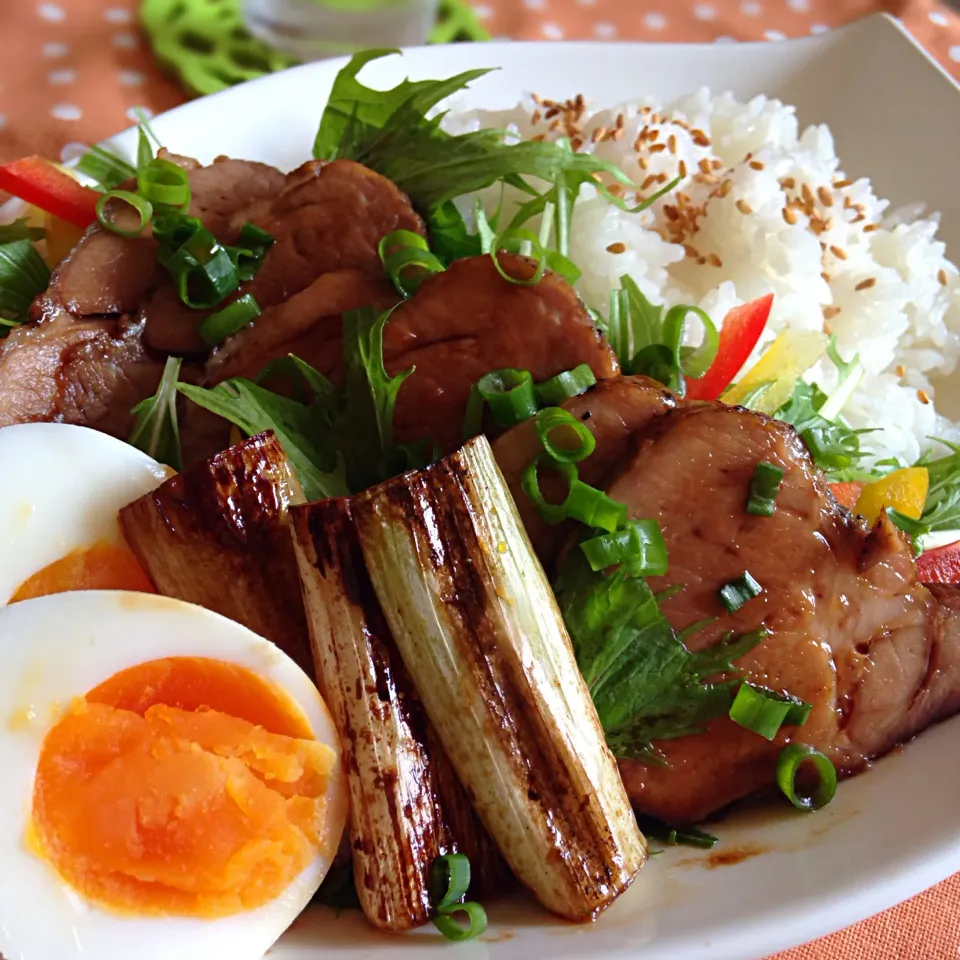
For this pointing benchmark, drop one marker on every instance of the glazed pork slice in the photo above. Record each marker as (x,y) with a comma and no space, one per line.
(328,221)
(85,372)
(851,631)
(614,409)
(468,321)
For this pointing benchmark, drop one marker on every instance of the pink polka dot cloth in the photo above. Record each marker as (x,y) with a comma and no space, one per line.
(73,70)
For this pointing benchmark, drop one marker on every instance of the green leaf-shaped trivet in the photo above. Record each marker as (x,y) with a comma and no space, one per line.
(204,42)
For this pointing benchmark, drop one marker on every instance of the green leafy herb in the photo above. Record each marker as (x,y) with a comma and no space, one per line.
(304,430)
(155,428)
(942,509)
(849,375)
(914,529)
(106,168)
(20,230)
(763,489)
(365,425)
(390,131)
(654,829)
(835,448)
(736,593)
(645,683)
(23,275)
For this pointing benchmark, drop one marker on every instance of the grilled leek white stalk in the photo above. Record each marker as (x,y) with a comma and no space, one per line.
(407,806)
(479,631)
(217,535)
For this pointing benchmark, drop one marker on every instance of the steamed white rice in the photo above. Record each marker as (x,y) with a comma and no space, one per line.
(837,259)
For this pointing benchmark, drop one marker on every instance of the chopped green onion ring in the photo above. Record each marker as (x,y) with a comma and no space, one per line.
(226,322)
(698,360)
(564,386)
(203,269)
(791,759)
(450,874)
(764,711)
(249,256)
(763,489)
(452,929)
(107,220)
(737,592)
(582,502)
(509,394)
(450,881)
(164,184)
(639,544)
(407,260)
(555,418)
(511,241)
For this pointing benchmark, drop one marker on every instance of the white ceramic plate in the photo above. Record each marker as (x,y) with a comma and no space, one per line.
(888,834)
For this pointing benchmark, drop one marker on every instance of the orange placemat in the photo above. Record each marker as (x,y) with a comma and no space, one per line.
(71,70)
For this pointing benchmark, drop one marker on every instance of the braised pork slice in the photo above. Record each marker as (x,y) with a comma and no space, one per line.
(107,274)
(69,371)
(468,321)
(851,631)
(614,410)
(328,221)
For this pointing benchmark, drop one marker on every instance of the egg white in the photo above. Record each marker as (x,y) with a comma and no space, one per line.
(57,648)
(63,486)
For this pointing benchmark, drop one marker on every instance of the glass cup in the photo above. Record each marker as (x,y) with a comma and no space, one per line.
(315,29)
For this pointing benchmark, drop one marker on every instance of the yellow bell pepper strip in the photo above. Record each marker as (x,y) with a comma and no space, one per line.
(61,238)
(790,355)
(905,490)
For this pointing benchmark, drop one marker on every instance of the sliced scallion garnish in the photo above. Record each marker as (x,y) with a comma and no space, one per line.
(764,711)
(556,418)
(113,213)
(736,593)
(249,255)
(201,267)
(509,394)
(407,260)
(792,758)
(452,929)
(763,489)
(582,502)
(451,874)
(564,386)
(639,545)
(519,240)
(226,322)
(654,829)
(164,184)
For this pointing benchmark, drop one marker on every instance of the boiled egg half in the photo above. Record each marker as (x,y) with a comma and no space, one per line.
(172,783)
(63,487)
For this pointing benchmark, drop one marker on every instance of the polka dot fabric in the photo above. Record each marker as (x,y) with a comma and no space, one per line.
(72,70)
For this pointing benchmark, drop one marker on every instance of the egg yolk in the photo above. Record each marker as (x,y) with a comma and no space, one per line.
(104,566)
(184,786)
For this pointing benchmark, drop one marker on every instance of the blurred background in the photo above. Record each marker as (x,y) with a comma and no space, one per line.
(72,70)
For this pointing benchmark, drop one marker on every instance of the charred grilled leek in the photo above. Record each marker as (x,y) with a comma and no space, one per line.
(216,535)
(479,631)
(406,805)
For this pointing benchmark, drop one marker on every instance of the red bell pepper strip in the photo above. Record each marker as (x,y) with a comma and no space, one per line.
(739,334)
(39,182)
(847,494)
(941,565)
